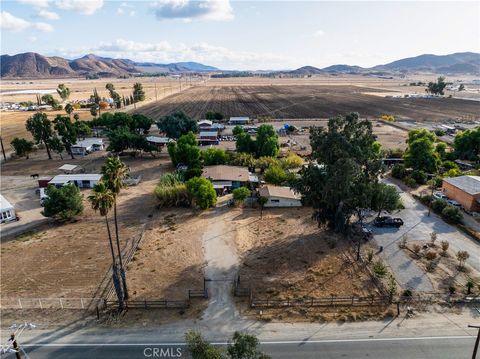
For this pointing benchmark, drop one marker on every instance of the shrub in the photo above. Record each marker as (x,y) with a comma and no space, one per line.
(438,205)
(410,182)
(452,214)
(202,192)
(462,256)
(419,176)
(370,256)
(399,171)
(170,179)
(433,238)
(64,203)
(214,156)
(240,194)
(172,195)
(379,269)
(416,248)
(452,289)
(407,293)
(430,255)
(403,241)
(449,165)
(265,162)
(275,175)
(291,161)
(445,246)
(242,159)
(22,147)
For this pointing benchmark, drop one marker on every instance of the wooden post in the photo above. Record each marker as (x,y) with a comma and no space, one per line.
(398,309)
(98,313)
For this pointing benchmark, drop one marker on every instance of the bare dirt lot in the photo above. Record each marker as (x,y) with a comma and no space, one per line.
(308,101)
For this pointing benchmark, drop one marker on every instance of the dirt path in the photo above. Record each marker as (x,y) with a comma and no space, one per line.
(222,265)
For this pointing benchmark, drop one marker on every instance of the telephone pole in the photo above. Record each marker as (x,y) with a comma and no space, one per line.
(475,348)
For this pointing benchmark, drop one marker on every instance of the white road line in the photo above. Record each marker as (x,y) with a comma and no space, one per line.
(262,342)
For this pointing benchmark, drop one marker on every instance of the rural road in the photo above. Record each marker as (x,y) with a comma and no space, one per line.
(392,348)
(418,226)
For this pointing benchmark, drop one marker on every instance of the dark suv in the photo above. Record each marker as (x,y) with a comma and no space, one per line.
(387,221)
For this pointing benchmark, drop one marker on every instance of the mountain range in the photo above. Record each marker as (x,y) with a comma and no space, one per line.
(32,65)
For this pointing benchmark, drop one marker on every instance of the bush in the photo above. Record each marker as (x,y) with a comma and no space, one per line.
(416,248)
(291,161)
(240,194)
(452,214)
(379,269)
(452,290)
(419,176)
(449,165)
(275,175)
(407,293)
(399,171)
(410,181)
(202,192)
(430,255)
(170,179)
(63,204)
(462,256)
(214,156)
(172,195)
(445,246)
(439,205)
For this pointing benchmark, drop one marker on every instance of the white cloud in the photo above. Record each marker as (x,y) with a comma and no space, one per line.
(49,15)
(85,7)
(164,52)
(188,10)
(32,38)
(124,9)
(318,33)
(36,3)
(9,22)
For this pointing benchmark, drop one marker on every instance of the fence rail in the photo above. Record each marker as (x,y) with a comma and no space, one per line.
(146,304)
(48,303)
(318,302)
(198,293)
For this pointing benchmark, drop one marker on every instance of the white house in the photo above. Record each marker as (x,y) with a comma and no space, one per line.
(88,145)
(7,210)
(84,180)
(280,196)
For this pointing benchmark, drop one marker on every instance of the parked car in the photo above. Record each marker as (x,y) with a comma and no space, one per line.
(440,195)
(455,204)
(387,221)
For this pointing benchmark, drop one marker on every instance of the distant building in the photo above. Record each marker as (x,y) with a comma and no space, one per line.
(87,145)
(7,210)
(208,138)
(69,169)
(84,180)
(239,121)
(465,190)
(227,177)
(280,196)
(158,142)
(205,125)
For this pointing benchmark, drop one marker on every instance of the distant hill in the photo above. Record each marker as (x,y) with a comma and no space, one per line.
(32,65)
(306,70)
(345,69)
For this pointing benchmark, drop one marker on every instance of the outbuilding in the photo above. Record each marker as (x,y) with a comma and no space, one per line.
(280,196)
(87,145)
(205,125)
(7,210)
(84,180)
(158,142)
(208,138)
(239,121)
(465,190)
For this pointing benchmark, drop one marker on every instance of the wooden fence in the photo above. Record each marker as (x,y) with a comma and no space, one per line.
(151,304)
(332,301)
(48,303)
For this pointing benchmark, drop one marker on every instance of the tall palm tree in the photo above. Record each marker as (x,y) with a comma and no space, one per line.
(114,172)
(102,200)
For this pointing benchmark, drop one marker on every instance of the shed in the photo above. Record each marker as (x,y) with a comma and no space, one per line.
(7,210)
(66,168)
(85,180)
(280,196)
(159,142)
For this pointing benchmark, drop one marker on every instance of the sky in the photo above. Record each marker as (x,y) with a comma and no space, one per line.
(241,35)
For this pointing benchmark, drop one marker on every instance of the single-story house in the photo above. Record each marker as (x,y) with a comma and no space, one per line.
(87,145)
(465,190)
(239,121)
(225,177)
(84,180)
(158,142)
(7,210)
(280,196)
(208,138)
(205,125)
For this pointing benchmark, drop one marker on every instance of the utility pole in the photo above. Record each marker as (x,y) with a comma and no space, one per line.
(3,149)
(432,184)
(475,349)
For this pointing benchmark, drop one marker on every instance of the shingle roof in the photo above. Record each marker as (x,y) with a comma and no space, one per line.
(226,173)
(278,191)
(468,184)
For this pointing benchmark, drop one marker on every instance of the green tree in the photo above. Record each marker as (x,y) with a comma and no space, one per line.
(467,144)
(202,192)
(94,110)
(237,130)
(49,100)
(138,93)
(63,204)
(141,123)
(385,198)
(441,149)
(245,346)
(114,95)
(114,172)
(41,129)
(292,161)
(199,348)
(22,147)
(420,154)
(265,162)
(214,156)
(63,91)
(185,151)
(240,194)
(267,141)
(177,124)
(56,145)
(68,132)
(102,200)
(436,88)
(69,109)
(245,143)
(82,128)
(275,175)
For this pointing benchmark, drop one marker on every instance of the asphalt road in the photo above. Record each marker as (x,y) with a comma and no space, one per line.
(385,348)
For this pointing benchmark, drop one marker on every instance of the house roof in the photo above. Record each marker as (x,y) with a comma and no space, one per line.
(239,119)
(67,167)
(278,191)
(226,173)
(205,122)
(4,204)
(88,142)
(156,139)
(468,184)
(76,177)
(208,133)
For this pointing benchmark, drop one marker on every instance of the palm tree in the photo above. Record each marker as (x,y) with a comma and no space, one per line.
(102,200)
(114,172)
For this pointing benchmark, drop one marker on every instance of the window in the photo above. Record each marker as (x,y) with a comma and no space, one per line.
(275,200)
(6,214)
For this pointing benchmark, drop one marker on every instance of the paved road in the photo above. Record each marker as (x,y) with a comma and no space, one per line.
(418,226)
(418,348)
